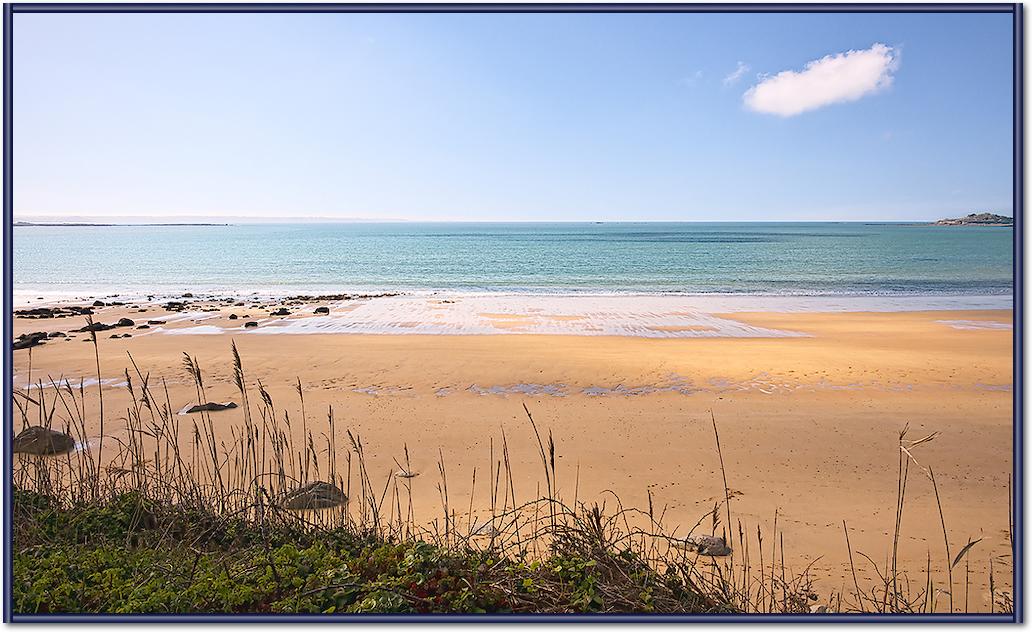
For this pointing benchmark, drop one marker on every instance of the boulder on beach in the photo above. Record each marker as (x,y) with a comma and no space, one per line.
(25,341)
(708,545)
(317,495)
(208,407)
(40,441)
(233,317)
(98,303)
(250,323)
(57,334)
(155,322)
(96,327)
(143,326)
(281,312)
(322,310)
(124,322)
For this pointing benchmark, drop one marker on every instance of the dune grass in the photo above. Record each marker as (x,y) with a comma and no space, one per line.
(176,519)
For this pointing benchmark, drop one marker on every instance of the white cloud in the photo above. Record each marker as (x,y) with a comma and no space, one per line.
(831,79)
(736,74)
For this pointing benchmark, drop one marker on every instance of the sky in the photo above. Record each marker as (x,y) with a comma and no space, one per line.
(513,117)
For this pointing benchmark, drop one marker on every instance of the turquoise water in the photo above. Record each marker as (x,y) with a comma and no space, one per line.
(737,258)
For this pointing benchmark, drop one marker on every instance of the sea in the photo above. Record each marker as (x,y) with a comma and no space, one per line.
(872,260)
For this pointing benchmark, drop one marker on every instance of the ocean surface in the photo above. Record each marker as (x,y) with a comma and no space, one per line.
(780,259)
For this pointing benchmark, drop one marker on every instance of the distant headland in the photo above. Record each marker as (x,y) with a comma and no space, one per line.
(978,219)
(110,224)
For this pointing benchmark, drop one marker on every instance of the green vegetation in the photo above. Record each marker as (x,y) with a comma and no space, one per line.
(129,556)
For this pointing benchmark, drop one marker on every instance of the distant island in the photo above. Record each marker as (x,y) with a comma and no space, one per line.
(978,219)
(98,224)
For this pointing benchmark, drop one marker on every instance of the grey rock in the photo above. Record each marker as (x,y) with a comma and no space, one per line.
(708,545)
(208,407)
(41,441)
(317,495)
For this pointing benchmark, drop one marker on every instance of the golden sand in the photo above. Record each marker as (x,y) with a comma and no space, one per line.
(808,425)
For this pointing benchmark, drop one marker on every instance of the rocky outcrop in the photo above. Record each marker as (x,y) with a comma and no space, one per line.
(42,441)
(322,310)
(250,324)
(978,219)
(317,495)
(53,312)
(25,341)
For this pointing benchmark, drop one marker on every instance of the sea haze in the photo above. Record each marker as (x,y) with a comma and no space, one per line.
(785,259)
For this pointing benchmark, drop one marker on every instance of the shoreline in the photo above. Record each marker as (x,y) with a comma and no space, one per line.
(456,313)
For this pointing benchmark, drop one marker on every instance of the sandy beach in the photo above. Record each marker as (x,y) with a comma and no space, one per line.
(809,405)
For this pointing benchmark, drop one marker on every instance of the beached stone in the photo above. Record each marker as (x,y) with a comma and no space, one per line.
(155,322)
(39,440)
(175,306)
(233,317)
(98,303)
(96,327)
(25,341)
(250,323)
(53,312)
(56,334)
(708,545)
(208,407)
(322,310)
(281,312)
(124,322)
(143,326)
(317,495)
(187,295)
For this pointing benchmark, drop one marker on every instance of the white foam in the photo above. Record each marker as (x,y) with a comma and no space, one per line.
(976,324)
(649,316)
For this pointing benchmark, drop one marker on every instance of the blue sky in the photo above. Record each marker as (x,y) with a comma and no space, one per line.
(513,117)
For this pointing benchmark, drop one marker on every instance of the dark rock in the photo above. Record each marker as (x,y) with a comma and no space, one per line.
(249,324)
(281,312)
(322,310)
(233,317)
(39,440)
(187,295)
(124,322)
(96,327)
(57,334)
(209,407)
(317,495)
(155,322)
(175,306)
(98,303)
(53,312)
(143,326)
(25,341)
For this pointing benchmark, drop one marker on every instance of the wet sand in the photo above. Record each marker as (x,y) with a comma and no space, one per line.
(808,421)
